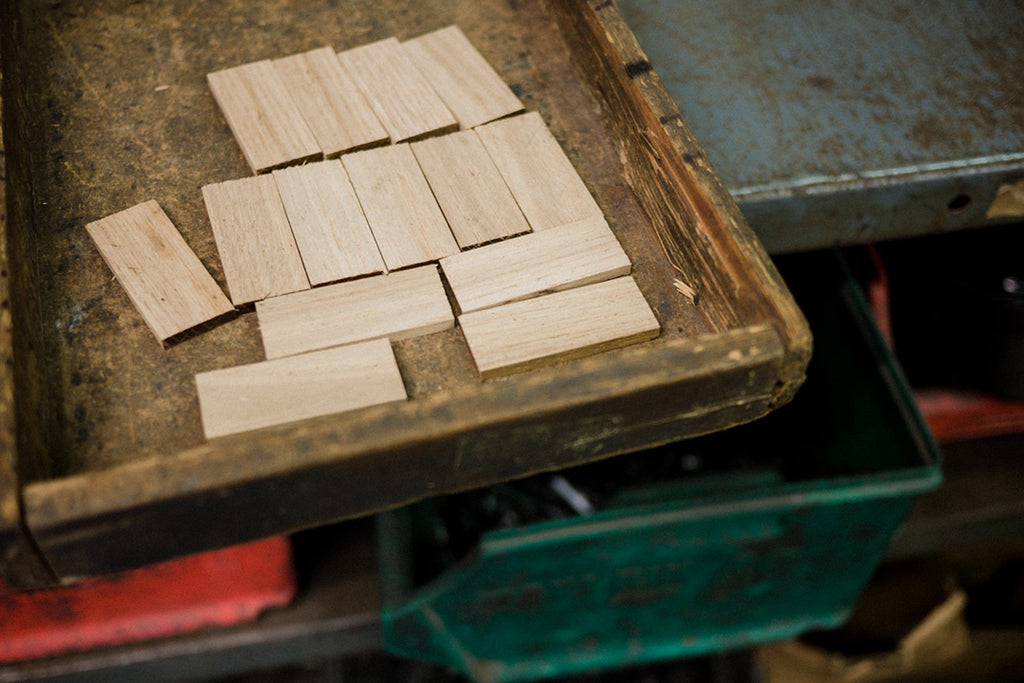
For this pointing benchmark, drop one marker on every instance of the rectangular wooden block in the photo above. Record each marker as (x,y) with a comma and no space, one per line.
(469,86)
(267,125)
(336,111)
(330,230)
(470,190)
(162,276)
(540,175)
(399,206)
(276,392)
(255,242)
(402,99)
(569,324)
(569,256)
(396,306)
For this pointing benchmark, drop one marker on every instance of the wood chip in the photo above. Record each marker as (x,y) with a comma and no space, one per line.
(276,392)
(162,276)
(402,99)
(568,324)
(560,258)
(330,230)
(339,116)
(255,242)
(267,125)
(540,175)
(399,206)
(469,86)
(397,306)
(469,189)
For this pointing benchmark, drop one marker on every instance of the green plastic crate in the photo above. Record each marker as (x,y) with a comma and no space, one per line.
(697,565)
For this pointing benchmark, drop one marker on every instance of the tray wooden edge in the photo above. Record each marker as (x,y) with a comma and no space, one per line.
(20,561)
(93,523)
(286,478)
(667,167)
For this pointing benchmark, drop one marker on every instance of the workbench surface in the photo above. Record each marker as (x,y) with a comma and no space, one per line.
(847,122)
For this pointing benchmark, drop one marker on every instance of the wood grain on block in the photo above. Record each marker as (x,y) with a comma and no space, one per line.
(470,190)
(330,230)
(540,175)
(260,112)
(399,206)
(402,99)
(469,86)
(254,240)
(336,111)
(397,306)
(569,324)
(162,276)
(569,256)
(279,391)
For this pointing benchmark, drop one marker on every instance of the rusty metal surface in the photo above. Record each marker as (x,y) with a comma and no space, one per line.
(847,122)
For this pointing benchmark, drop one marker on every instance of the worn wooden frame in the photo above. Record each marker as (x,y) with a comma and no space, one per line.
(731,356)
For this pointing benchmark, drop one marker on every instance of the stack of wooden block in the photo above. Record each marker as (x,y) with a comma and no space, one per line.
(341,255)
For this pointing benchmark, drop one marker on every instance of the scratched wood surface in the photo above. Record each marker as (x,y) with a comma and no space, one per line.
(571,324)
(403,214)
(404,101)
(110,451)
(272,392)
(163,278)
(254,239)
(330,229)
(258,107)
(400,305)
(568,256)
(542,178)
(471,192)
(471,89)
(337,113)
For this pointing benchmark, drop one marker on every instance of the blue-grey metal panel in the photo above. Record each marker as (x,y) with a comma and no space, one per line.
(846,121)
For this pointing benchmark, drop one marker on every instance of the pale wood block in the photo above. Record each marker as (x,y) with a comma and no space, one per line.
(540,175)
(399,206)
(260,112)
(336,111)
(470,190)
(276,392)
(254,240)
(469,86)
(163,277)
(569,324)
(396,306)
(568,256)
(330,230)
(402,99)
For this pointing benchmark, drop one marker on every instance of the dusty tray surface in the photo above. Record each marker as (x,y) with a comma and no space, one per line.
(112,108)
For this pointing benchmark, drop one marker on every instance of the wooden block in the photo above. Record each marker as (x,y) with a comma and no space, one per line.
(267,125)
(162,276)
(469,86)
(399,206)
(276,392)
(397,306)
(336,111)
(469,189)
(402,99)
(569,324)
(330,230)
(541,177)
(560,258)
(254,239)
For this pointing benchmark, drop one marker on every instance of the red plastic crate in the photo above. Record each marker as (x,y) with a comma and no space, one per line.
(216,588)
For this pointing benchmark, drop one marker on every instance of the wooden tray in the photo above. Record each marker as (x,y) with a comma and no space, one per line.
(104,465)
